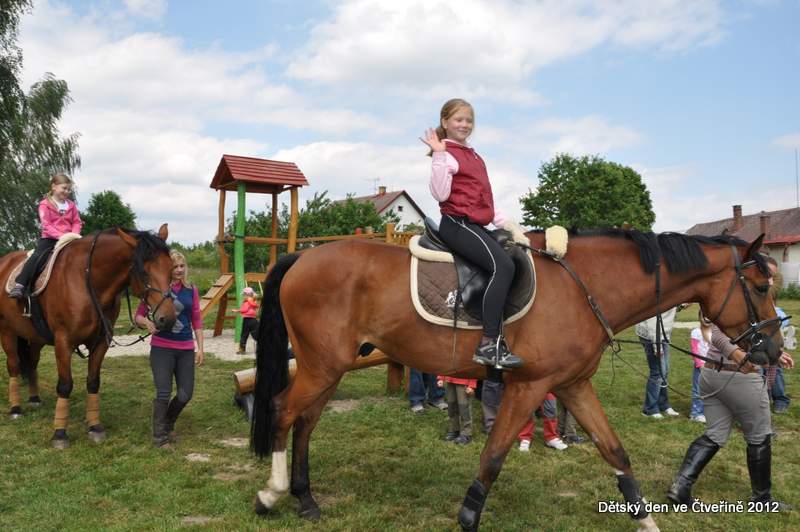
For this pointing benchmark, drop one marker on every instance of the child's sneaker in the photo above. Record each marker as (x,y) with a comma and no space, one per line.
(417,408)
(525,445)
(556,444)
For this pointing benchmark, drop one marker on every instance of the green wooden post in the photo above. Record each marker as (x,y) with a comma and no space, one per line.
(238,256)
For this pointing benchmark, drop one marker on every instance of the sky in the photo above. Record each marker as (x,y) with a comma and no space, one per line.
(699,96)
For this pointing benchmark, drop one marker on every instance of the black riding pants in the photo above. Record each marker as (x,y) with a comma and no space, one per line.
(474,243)
(249,328)
(168,363)
(43,246)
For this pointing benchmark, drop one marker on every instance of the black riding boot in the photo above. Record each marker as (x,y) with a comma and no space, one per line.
(759,464)
(160,432)
(698,455)
(173,411)
(495,352)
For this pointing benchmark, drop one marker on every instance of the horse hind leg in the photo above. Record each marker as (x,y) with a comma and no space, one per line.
(301,484)
(301,394)
(11,347)
(581,400)
(34,401)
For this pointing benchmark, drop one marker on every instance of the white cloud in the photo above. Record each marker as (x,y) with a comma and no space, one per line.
(792,141)
(439,46)
(584,136)
(150,9)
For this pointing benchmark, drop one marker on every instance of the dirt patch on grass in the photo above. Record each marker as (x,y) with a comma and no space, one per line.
(343,405)
(198,520)
(235,442)
(198,457)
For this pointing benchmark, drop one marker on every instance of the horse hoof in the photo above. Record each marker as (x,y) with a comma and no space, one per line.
(97,436)
(259,507)
(15,412)
(59,443)
(34,402)
(312,513)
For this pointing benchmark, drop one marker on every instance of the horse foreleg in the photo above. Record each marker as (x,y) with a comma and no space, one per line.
(581,400)
(301,484)
(516,407)
(63,349)
(303,392)
(96,431)
(34,401)
(9,343)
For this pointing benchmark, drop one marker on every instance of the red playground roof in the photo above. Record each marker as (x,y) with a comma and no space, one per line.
(258,175)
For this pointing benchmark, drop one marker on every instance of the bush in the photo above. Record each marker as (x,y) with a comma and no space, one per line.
(790,292)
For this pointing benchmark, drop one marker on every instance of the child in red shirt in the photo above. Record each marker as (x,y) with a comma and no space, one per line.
(250,323)
(457,394)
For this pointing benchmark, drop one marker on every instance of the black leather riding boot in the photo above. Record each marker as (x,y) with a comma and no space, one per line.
(160,432)
(173,411)
(698,455)
(759,464)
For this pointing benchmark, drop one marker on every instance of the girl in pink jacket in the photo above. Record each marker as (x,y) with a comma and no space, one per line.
(58,216)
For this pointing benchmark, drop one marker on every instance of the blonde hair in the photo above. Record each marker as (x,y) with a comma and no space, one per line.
(58,179)
(449,109)
(176,256)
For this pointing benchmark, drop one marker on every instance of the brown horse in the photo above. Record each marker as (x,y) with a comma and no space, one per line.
(334,300)
(112,260)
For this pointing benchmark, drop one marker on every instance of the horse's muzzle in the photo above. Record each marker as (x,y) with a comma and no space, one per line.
(164,323)
(764,350)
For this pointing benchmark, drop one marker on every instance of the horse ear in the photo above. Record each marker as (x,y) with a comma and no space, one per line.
(754,247)
(163,232)
(128,239)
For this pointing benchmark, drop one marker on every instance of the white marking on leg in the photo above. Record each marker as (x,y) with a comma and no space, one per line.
(278,483)
(618,472)
(648,525)
(279,477)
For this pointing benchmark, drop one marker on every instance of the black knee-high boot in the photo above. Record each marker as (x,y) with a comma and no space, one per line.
(173,411)
(698,455)
(160,432)
(759,465)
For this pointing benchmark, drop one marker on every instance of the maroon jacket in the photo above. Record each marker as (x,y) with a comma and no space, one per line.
(470,192)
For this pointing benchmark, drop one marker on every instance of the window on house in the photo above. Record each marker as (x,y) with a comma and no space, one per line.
(399,208)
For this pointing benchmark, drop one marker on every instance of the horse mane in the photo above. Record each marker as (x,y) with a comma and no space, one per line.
(680,253)
(148,248)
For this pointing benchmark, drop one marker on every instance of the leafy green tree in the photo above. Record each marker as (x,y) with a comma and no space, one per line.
(105,210)
(31,148)
(588,192)
(320,217)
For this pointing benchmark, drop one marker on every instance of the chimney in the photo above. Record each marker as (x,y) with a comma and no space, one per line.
(737,218)
(764,218)
(381,191)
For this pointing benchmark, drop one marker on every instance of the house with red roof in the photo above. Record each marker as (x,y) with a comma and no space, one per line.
(781,229)
(398,201)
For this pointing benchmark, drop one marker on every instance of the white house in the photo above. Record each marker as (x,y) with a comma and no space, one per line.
(399,202)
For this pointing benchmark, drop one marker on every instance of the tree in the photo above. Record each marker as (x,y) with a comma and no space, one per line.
(588,192)
(31,149)
(106,210)
(320,217)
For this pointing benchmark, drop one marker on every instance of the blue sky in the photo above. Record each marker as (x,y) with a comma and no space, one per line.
(700,97)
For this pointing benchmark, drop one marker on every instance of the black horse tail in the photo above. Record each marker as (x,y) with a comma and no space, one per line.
(272,360)
(24,355)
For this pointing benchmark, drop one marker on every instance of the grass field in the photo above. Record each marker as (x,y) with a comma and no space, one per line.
(374,464)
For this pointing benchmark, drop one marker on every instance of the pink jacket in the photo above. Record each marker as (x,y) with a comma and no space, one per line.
(56,224)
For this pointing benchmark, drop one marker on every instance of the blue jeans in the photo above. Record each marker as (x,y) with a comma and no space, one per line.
(697,404)
(655,395)
(779,390)
(418,383)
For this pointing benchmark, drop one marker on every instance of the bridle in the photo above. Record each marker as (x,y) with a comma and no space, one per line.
(108,330)
(753,333)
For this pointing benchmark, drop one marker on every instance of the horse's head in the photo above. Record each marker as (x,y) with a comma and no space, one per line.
(741,305)
(151,273)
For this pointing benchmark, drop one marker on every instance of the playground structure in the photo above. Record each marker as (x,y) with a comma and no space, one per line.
(263,176)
